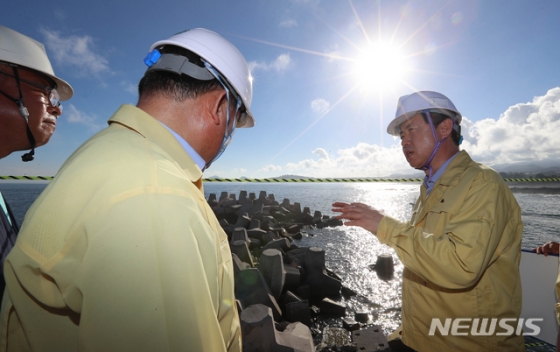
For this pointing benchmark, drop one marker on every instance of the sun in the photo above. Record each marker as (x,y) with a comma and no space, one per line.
(380,66)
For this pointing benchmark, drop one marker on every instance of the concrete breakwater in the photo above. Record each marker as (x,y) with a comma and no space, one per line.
(283,292)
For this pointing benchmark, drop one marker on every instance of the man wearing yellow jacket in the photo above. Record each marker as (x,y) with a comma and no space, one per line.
(461,248)
(30,96)
(121,251)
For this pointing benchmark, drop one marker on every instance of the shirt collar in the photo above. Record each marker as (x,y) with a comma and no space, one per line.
(429,184)
(190,150)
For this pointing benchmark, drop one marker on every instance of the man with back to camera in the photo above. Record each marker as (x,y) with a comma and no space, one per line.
(122,252)
(461,248)
(30,96)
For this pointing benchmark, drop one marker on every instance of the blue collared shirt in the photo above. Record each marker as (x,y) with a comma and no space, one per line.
(190,150)
(429,184)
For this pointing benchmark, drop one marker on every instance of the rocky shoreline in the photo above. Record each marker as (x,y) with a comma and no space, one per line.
(287,298)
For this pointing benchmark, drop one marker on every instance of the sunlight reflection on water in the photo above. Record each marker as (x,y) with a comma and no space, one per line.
(350,250)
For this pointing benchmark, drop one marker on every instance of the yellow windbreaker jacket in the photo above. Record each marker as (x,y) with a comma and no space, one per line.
(121,252)
(461,252)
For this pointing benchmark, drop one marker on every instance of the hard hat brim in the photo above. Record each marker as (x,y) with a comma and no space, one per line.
(25,52)
(393,128)
(64,89)
(411,104)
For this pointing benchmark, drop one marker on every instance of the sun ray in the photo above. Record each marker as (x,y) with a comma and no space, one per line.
(423,52)
(359,21)
(379,21)
(395,31)
(336,31)
(422,26)
(443,74)
(306,51)
(312,124)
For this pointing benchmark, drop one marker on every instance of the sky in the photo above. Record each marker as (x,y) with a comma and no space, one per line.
(327,76)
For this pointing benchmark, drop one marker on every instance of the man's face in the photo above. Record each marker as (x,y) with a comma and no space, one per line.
(42,116)
(417,141)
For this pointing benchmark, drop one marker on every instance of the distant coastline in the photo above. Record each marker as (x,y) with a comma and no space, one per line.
(535,187)
(543,187)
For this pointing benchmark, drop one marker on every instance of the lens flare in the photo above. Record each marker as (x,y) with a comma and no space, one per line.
(457,18)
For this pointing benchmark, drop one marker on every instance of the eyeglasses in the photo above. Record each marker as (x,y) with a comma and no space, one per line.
(240,111)
(54,97)
(241,115)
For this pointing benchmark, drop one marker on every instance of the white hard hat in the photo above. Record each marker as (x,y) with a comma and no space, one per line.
(223,56)
(16,48)
(410,105)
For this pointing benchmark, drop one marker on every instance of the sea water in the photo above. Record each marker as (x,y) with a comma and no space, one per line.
(351,250)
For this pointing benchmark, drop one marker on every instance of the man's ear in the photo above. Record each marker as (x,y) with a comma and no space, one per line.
(445,127)
(217,105)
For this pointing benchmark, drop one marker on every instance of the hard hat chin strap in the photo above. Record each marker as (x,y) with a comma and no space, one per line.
(428,164)
(25,114)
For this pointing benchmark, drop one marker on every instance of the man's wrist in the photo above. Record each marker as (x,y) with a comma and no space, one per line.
(384,229)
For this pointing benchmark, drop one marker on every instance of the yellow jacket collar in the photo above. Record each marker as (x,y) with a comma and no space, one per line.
(455,169)
(144,124)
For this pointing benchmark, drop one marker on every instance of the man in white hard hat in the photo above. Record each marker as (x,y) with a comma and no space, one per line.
(461,248)
(122,252)
(30,96)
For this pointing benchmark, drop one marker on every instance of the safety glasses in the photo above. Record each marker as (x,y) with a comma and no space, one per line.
(240,112)
(240,115)
(52,93)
